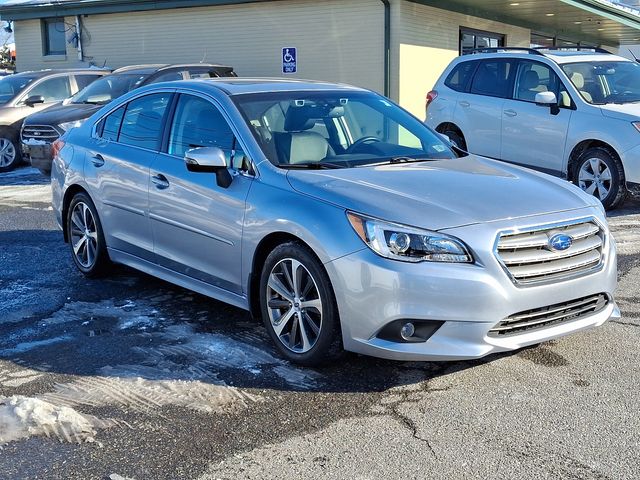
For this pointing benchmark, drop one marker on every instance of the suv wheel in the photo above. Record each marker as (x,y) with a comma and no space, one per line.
(298,306)
(456,138)
(86,238)
(600,173)
(9,152)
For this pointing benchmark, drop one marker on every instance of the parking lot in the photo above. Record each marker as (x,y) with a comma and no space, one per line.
(131,377)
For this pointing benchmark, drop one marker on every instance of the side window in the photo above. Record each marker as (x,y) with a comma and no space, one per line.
(52,90)
(198,73)
(168,77)
(142,121)
(110,126)
(198,123)
(459,77)
(493,78)
(533,78)
(84,80)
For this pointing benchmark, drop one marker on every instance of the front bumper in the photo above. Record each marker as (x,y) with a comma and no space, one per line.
(39,156)
(469,298)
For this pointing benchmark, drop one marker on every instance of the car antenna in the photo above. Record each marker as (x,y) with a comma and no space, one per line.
(105,62)
(205,56)
(634,57)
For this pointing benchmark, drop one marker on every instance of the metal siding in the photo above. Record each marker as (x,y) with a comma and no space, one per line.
(336,41)
(425,42)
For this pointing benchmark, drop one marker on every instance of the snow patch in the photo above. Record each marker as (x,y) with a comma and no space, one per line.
(24,195)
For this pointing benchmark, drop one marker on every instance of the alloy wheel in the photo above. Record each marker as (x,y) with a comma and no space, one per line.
(595,178)
(7,152)
(84,235)
(294,305)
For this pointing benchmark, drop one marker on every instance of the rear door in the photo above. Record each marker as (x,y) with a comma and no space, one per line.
(535,135)
(479,111)
(197,225)
(117,169)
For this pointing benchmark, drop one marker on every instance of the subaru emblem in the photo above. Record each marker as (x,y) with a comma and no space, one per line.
(560,242)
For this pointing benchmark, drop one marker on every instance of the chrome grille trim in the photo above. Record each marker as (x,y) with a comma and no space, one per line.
(538,318)
(526,257)
(45,133)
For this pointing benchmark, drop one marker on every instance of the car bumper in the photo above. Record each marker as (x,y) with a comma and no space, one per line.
(39,156)
(631,163)
(470,300)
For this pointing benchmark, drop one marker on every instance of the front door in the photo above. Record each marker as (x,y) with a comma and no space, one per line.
(535,135)
(197,225)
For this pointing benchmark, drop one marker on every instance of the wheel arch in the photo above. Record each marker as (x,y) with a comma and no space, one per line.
(582,147)
(444,126)
(71,192)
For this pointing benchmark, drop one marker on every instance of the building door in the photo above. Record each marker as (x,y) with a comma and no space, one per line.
(471,39)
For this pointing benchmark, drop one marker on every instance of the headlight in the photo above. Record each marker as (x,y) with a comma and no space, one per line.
(69,125)
(408,244)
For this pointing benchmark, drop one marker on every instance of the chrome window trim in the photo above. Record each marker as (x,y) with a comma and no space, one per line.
(550,226)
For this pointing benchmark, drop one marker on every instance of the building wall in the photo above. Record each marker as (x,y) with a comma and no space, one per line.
(335,40)
(425,40)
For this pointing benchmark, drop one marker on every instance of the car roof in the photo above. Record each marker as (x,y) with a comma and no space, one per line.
(153,68)
(44,73)
(238,86)
(556,55)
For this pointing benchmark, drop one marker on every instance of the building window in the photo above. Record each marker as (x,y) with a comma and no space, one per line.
(472,39)
(53,36)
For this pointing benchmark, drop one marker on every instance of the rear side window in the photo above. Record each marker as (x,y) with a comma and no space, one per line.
(459,77)
(142,121)
(493,78)
(111,125)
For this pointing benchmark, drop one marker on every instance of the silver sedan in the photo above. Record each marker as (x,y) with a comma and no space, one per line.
(336,217)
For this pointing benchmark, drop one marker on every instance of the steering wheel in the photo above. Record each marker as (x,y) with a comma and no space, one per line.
(362,141)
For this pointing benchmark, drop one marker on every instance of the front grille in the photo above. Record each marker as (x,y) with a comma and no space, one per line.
(529,258)
(552,315)
(33,134)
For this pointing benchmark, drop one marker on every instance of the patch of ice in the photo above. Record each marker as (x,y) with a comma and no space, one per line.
(20,172)
(24,195)
(23,417)
(26,346)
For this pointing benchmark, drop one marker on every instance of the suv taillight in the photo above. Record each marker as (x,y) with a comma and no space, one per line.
(56,147)
(431,96)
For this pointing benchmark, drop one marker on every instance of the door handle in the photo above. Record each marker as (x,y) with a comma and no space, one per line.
(464,104)
(510,113)
(97,160)
(160,181)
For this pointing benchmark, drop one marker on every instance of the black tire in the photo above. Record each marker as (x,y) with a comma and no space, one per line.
(328,342)
(457,138)
(617,185)
(12,137)
(101,262)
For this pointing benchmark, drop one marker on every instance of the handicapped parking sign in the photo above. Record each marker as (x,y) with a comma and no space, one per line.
(289,60)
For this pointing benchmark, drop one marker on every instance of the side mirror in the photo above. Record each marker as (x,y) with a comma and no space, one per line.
(546,99)
(34,99)
(209,159)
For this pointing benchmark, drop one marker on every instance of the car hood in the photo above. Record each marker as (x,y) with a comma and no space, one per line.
(441,194)
(60,113)
(625,111)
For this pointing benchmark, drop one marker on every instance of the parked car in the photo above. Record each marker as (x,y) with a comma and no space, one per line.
(336,216)
(571,113)
(24,93)
(42,129)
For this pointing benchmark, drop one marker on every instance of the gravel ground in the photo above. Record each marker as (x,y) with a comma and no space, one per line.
(130,377)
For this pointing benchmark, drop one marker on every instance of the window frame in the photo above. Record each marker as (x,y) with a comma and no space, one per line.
(501,37)
(45,25)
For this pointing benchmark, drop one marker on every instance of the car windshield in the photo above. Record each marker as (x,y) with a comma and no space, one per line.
(337,130)
(108,88)
(600,83)
(11,85)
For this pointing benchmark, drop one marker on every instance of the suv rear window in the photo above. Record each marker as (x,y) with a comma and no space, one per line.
(493,78)
(458,78)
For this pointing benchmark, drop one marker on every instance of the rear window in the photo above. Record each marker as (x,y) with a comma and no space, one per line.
(493,78)
(459,77)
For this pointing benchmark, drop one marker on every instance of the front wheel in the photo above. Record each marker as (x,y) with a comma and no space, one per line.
(9,151)
(86,238)
(298,306)
(600,173)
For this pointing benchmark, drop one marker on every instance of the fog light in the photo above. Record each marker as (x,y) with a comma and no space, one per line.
(407,331)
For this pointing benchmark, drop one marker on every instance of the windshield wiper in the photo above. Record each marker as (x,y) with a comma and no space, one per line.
(310,165)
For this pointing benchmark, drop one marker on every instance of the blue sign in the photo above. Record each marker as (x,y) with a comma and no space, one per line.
(289,60)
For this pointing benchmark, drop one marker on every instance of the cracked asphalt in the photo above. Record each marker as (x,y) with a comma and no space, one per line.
(179,386)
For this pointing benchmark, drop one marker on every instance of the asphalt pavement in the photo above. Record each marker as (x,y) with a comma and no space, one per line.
(129,377)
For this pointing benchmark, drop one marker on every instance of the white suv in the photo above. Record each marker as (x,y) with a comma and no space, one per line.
(571,113)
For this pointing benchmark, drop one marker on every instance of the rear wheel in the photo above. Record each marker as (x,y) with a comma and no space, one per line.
(298,306)
(600,173)
(86,238)
(9,151)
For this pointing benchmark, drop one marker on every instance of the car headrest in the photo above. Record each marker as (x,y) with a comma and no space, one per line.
(530,80)
(299,119)
(578,80)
